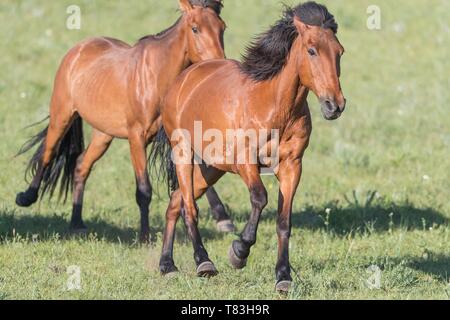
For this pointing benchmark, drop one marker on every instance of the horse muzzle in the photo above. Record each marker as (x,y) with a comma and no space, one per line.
(332,110)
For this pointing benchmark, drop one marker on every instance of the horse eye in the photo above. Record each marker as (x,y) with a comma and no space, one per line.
(195,30)
(312,52)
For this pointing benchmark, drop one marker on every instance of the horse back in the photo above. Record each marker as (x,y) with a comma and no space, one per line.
(90,49)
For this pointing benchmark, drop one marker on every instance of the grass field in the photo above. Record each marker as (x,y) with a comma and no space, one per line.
(375,189)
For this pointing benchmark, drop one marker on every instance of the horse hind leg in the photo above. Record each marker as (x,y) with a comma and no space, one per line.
(219,213)
(54,160)
(203,178)
(100,143)
(31,195)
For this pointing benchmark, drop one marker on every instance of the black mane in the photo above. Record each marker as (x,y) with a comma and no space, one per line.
(215,5)
(268,53)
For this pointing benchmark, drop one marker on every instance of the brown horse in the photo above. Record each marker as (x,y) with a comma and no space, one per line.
(267,91)
(117,89)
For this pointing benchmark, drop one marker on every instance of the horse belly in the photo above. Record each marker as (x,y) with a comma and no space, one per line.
(103,110)
(101,99)
(108,120)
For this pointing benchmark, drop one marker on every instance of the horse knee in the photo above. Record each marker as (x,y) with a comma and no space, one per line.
(258,197)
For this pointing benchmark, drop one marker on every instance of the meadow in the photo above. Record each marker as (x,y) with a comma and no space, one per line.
(374,197)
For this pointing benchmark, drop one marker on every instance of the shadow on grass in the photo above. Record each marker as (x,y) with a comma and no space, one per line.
(358,219)
(433,264)
(437,265)
(45,228)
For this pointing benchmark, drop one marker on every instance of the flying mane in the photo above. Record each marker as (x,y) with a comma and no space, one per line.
(267,55)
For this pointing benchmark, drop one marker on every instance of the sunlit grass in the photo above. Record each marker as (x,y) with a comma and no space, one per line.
(375,188)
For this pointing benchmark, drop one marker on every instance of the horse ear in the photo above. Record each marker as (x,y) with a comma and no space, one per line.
(185,5)
(301,27)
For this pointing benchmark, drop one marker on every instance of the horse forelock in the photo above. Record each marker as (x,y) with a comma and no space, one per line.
(215,5)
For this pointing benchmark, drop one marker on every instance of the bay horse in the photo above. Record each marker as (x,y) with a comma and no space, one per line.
(267,91)
(117,89)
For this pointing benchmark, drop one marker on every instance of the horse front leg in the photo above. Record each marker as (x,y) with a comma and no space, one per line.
(193,188)
(185,173)
(166,263)
(289,177)
(240,249)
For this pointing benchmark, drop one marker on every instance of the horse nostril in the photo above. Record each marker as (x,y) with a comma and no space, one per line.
(330,105)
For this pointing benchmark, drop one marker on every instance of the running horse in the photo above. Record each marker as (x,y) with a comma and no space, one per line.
(267,91)
(118,90)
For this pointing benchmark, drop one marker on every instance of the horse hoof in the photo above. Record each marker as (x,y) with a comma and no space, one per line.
(207,270)
(235,261)
(168,271)
(226,226)
(25,199)
(144,239)
(78,228)
(283,287)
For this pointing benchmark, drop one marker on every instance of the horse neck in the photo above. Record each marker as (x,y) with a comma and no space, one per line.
(171,52)
(288,92)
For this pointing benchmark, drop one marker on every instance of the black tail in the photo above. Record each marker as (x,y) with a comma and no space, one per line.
(61,168)
(160,161)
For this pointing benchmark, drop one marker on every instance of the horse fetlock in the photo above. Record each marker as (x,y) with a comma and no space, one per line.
(238,257)
(259,198)
(167,266)
(283,272)
(27,198)
(242,247)
(144,236)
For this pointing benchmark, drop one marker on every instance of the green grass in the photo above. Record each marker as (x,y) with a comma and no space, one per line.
(393,143)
